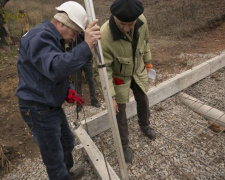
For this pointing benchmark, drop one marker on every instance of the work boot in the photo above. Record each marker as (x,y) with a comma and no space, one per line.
(149,132)
(128,154)
(77,173)
(94,102)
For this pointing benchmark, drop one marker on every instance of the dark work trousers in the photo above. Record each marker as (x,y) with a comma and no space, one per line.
(143,113)
(52,133)
(87,68)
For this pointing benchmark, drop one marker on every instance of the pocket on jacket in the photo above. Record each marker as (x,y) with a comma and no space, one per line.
(125,66)
(26,115)
(122,93)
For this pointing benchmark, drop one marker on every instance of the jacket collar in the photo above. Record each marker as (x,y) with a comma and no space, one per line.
(53,29)
(116,33)
(56,32)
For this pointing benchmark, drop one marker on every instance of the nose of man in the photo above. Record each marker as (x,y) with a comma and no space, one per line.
(126,29)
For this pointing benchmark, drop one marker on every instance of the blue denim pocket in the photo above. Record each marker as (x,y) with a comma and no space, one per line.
(44,111)
(25,112)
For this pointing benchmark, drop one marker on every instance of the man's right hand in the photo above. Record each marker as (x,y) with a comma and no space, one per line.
(92,34)
(73,96)
(115,105)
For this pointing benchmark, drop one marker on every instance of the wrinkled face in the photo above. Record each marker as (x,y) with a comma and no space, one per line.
(68,34)
(125,27)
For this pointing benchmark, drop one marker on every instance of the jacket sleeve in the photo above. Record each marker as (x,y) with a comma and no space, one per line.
(46,54)
(147,53)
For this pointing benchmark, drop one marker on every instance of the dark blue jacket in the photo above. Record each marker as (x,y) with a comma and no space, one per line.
(44,66)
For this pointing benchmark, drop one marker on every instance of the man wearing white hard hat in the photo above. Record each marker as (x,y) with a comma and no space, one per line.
(44,68)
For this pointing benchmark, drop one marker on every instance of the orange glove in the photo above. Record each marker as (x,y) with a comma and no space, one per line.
(73,96)
(149,66)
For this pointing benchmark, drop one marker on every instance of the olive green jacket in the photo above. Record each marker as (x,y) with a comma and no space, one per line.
(121,62)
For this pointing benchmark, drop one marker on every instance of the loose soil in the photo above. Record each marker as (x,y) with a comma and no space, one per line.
(15,138)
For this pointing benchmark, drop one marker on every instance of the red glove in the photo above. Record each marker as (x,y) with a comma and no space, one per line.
(118,81)
(73,96)
(79,99)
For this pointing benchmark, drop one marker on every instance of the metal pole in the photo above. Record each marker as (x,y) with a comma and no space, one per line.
(107,95)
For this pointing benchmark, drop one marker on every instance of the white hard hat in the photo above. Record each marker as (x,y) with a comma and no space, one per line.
(76,13)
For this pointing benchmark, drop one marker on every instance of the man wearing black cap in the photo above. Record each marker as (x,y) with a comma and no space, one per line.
(125,43)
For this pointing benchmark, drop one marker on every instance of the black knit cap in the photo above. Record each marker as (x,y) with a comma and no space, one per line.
(127,10)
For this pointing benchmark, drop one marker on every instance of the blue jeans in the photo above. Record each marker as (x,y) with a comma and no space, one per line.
(53,136)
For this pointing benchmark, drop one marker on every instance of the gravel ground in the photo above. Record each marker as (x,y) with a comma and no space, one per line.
(185,148)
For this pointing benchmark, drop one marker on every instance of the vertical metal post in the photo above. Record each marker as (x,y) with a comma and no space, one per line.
(107,94)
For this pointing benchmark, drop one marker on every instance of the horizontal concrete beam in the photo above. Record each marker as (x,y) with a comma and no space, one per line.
(99,122)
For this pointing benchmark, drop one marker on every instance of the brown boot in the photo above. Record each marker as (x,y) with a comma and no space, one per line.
(77,173)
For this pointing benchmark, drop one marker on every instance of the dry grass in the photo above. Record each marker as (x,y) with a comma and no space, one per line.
(4,161)
(183,17)
(36,10)
(165,17)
